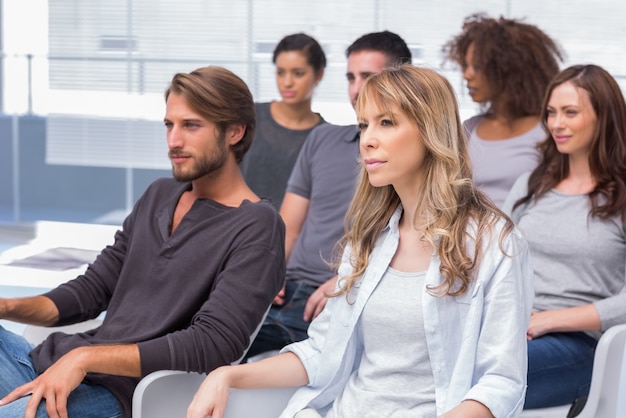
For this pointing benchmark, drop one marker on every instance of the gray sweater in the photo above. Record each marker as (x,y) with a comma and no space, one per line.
(578,259)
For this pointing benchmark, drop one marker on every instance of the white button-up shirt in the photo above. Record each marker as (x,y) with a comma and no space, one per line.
(476,341)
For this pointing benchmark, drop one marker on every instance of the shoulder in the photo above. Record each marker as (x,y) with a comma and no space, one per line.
(521,183)
(497,235)
(263,110)
(330,131)
(262,213)
(518,190)
(262,107)
(262,210)
(471,123)
(256,223)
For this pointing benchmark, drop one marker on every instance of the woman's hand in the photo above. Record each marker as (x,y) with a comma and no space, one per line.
(579,318)
(541,323)
(212,396)
(468,409)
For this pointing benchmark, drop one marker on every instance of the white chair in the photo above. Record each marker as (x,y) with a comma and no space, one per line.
(608,382)
(171,392)
(36,334)
(168,393)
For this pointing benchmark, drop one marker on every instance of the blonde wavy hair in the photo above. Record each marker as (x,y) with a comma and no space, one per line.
(450,209)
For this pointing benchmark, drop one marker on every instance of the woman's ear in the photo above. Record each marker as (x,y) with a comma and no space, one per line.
(234,133)
(318,76)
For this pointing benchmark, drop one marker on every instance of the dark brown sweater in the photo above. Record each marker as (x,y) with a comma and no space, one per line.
(190,300)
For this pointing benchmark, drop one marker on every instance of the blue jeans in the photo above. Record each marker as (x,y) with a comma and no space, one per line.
(559,369)
(284,324)
(16,369)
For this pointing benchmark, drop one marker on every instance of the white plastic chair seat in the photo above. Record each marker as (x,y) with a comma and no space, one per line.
(608,381)
(167,394)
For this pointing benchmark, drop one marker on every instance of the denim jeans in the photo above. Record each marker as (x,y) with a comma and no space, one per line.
(559,369)
(284,324)
(16,369)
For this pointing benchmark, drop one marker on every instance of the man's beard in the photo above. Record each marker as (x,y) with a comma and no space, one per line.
(204,165)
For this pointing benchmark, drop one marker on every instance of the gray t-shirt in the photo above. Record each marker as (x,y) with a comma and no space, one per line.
(325,174)
(497,164)
(267,165)
(577,259)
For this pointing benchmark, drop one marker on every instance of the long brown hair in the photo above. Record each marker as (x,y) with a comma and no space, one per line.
(448,199)
(607,157)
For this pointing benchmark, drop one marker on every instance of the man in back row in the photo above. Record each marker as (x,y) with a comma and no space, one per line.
(318,194)
(184,285)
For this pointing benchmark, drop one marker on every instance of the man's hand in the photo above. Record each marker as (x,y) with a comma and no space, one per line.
(318,299)
(279,299)
(54,385)
(60,379)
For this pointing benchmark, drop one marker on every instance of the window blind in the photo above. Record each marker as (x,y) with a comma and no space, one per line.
(110,60)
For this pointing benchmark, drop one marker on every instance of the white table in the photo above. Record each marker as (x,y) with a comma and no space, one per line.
(47,236)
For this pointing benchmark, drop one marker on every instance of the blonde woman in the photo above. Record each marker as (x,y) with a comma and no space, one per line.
(430,312)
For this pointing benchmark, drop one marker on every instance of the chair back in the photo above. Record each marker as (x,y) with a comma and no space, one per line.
(35,334)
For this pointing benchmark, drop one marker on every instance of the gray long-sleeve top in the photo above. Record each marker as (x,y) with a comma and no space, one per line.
(190,300)
(577,259)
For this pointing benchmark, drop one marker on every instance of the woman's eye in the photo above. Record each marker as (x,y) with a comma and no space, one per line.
(386,122)
(362,126)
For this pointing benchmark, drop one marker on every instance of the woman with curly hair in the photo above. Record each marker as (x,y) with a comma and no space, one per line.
(507,65)
(432,277)
(571,209)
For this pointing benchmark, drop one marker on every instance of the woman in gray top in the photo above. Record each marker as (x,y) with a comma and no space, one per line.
(282,126)
(507,65)
(571,210)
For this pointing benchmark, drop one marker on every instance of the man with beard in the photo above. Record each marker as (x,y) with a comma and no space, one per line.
(187,280)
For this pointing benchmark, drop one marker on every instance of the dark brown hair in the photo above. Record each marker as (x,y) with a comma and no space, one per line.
(305,44)
(517,59)
(220,96)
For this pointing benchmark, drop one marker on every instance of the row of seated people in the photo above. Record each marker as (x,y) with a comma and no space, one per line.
(520,130)
(201,257)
